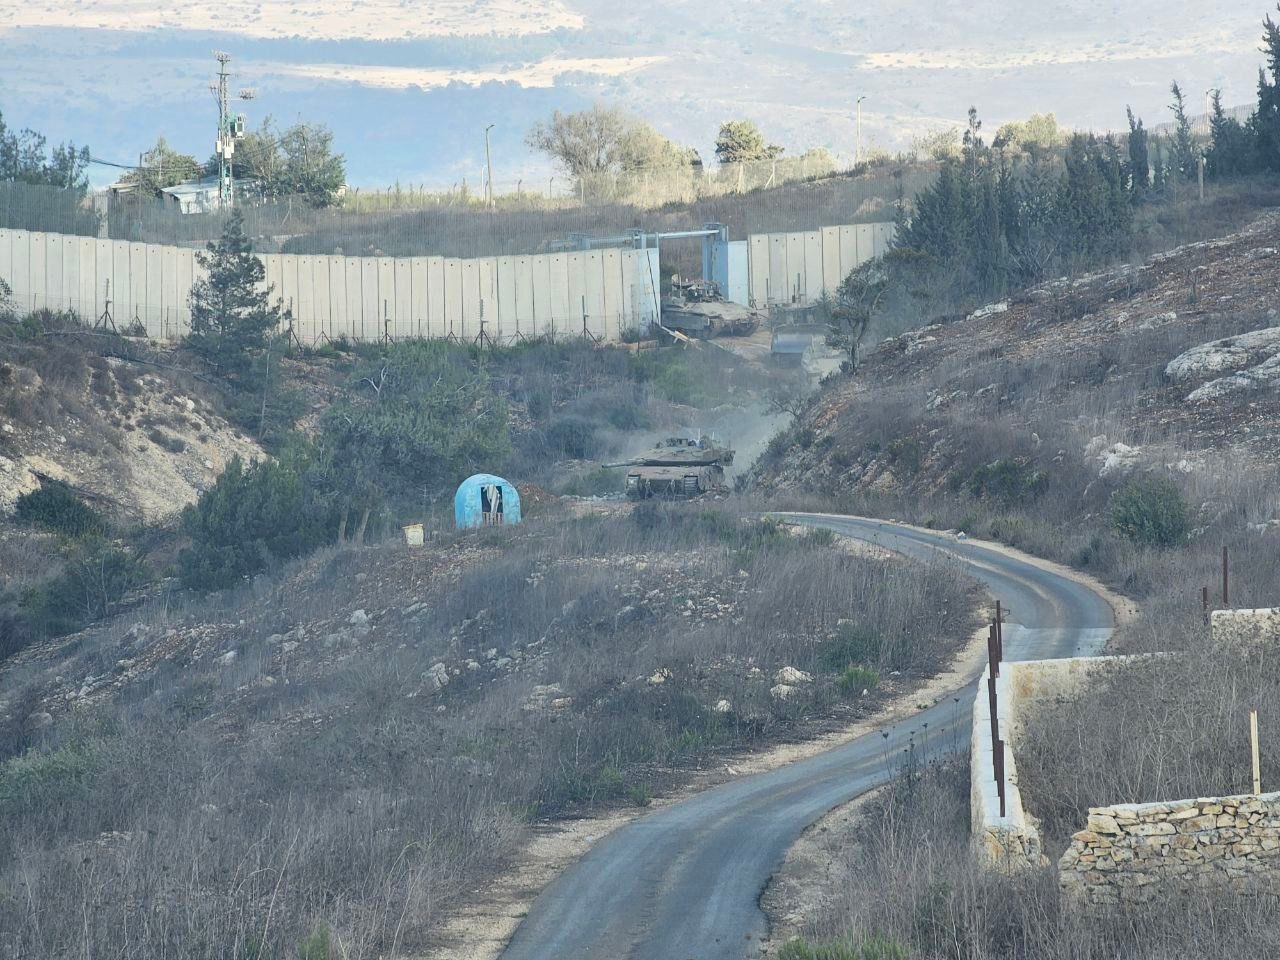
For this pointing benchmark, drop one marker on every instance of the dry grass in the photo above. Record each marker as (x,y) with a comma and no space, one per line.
(210,809)
(912,881)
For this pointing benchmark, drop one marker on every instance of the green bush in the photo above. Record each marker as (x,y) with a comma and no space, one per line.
(1151,510)
(94,579)
(854,644)
(855,679)
(1010,481)
(252,518)
(55,507)
(39,780)
(424,416)
(573,437)
(317,946)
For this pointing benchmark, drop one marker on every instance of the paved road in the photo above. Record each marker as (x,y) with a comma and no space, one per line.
(684,882)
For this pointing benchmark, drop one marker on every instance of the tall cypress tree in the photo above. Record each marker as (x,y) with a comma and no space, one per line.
(1139,166)
(1231,150)
(1265,124)
(1183,146)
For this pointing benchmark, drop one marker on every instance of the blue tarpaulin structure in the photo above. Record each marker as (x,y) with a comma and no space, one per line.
(485,500)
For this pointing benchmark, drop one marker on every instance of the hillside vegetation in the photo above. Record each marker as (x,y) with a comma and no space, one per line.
(1121,421)
(337,754)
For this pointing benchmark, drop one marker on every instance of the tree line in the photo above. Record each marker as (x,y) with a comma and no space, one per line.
(1035,203)
(603,140)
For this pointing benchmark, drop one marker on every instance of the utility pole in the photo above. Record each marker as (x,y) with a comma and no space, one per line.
(488,163)
(857,149)
(230,129)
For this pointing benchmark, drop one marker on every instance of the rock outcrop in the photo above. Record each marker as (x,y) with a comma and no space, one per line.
(1253,360)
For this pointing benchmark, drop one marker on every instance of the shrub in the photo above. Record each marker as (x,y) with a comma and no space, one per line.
(317,946)
(1011,481)
(167,442)
(252,518)
(1151,510)
(855,679)
(44,780)
(93,581)
(55,507)
(853,645)
(573,437)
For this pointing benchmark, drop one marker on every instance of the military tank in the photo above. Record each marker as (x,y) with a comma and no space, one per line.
(696,308)
(677,467)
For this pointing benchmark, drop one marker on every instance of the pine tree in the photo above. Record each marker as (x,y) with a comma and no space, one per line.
(973,145)
(1231,151)
(1185,160)
(1265,124)
(1139,166)
(231,315)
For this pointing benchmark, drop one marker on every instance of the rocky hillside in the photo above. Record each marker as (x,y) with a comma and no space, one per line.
(1173,360)
(140,437)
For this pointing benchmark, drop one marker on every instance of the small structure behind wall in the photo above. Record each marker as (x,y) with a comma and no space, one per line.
(485,500)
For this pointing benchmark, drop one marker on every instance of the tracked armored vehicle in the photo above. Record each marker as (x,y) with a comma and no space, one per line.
(677,467)
(696,308)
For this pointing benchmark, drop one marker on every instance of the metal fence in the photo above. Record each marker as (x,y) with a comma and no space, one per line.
(410,222)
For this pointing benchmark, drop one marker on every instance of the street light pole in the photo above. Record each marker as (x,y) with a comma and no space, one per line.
(488,163)
(857,149)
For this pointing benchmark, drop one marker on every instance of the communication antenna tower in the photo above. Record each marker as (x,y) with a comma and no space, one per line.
(231,127)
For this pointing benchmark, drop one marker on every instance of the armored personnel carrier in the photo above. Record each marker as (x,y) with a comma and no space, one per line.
(696,308)
(677,467)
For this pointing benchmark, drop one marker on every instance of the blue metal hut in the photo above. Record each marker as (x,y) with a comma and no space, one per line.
(484,500)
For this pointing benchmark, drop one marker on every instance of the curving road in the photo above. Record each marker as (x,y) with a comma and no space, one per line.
(684,882)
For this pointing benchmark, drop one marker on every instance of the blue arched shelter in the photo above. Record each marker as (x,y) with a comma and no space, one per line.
(485,500)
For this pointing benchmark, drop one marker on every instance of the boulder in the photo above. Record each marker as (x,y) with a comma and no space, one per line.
(358,618)
(782,691)
(1265,374)
(723,706)
(791,676)
(990,310)
(1220,356)
(437,675)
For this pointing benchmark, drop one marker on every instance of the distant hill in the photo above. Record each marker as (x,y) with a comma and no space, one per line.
(408,87)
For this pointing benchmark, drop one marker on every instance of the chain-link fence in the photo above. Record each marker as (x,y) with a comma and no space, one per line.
(409,222)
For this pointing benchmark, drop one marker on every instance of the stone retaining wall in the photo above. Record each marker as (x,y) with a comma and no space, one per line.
(1135,853)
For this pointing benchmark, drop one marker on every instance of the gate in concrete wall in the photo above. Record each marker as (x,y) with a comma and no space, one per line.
(769,268)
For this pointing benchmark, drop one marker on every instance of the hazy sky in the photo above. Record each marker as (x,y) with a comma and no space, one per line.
(408,86)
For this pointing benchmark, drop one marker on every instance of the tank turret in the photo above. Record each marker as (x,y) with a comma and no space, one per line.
(677,467)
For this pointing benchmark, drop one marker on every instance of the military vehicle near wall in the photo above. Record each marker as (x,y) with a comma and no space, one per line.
(677,467)
(696,308)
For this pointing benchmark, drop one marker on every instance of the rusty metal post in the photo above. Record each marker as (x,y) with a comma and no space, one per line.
(992,659)
(999,765)
(999,631)
(1204,604)
(1226,592)
(992,706)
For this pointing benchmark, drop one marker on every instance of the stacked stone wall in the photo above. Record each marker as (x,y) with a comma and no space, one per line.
(1136,853)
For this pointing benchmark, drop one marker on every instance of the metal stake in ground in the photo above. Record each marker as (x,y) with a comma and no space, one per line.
(1226,592)
(1253,746)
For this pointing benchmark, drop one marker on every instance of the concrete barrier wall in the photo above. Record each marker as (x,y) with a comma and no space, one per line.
(603,292)
(803,267)
(1245,626)
(1013,841)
